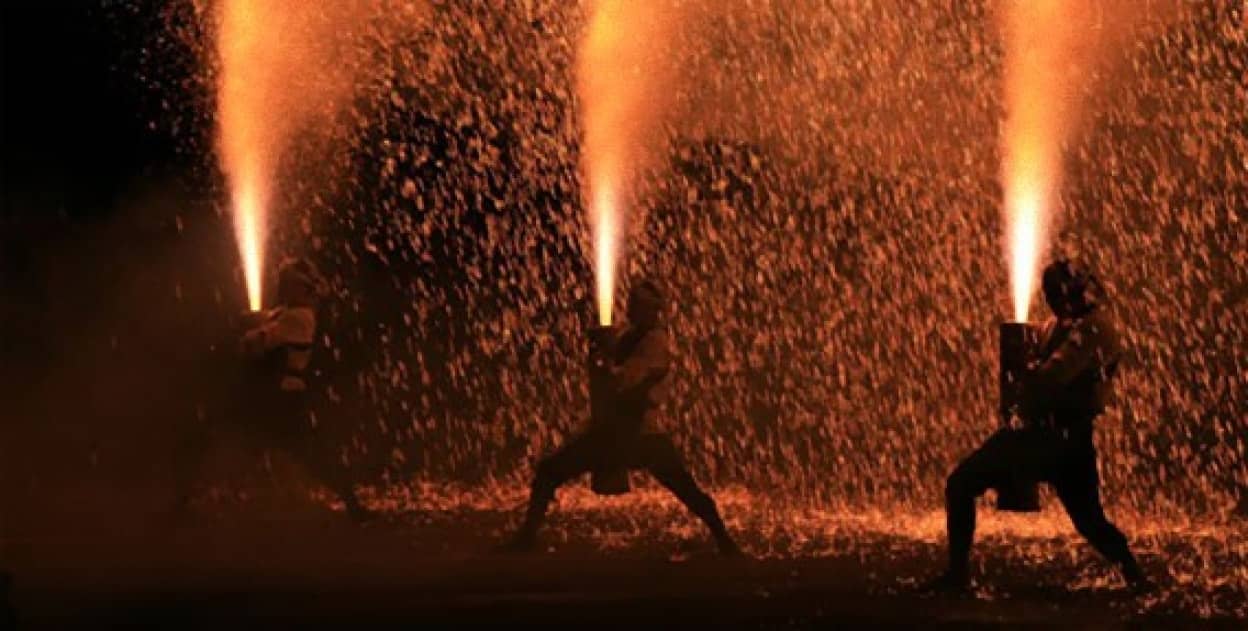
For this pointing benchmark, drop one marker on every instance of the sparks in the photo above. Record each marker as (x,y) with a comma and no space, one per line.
(1039,110)
(606,221)
(620,72)
(242,132)
(1026,217)
(249,228)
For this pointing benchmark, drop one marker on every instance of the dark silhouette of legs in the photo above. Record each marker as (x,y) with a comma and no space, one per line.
(1069,464)
(654,452)
(657,454)
(987,467)
(1078,487)
(573,459)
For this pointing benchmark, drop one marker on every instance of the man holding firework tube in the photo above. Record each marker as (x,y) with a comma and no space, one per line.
(277,349)
(629,381)
(1064,388)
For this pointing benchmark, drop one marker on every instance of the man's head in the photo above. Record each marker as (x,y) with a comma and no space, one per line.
(1068,289)
(298,282)
(645,303)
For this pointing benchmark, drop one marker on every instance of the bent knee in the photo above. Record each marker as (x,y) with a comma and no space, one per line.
(964,486)
(958,487)
(547,473)
(1096,527)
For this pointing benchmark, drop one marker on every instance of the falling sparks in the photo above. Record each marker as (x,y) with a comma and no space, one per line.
(284,69)
(798,233)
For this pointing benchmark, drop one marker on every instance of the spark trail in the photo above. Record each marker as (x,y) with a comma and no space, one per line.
(620,76)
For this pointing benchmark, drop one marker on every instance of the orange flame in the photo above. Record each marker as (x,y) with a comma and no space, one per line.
(606,222)
(606,114)
(243,133)
(249,229)
(1037,63)
(621,63)
(1028,207)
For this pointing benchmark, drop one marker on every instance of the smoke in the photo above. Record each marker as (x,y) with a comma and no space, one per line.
(623,79)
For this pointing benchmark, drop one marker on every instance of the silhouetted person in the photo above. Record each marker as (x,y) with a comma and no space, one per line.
(1064,392)
(273,406)
(637,378)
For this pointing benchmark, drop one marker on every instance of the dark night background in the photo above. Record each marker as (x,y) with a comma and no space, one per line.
(89,288)
(76,123)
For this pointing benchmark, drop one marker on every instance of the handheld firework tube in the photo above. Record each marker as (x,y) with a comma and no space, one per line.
(1018,343)
(602,408)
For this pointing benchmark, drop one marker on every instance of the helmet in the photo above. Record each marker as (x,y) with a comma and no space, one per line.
(301,271)
(647,292)
(1069,289)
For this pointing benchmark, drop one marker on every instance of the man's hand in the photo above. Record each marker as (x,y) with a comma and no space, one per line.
(252,343)
(602,342)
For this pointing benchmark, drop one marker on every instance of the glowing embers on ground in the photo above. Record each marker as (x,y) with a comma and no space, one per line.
(1201,567)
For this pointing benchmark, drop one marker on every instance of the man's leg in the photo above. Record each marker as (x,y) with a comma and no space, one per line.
(573,459)
(295,435)
(1078,486)
(990,466)
(318,461)
(658,455)
(189,455)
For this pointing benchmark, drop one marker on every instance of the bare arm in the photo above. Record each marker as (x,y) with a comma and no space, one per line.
(648,363)
(290,327)
(1091,342)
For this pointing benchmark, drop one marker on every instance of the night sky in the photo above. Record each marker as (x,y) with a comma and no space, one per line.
(75,124)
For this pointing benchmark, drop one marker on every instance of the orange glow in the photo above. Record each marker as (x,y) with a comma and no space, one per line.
(1027,209)
(606,95)
(1038,60)
(620,67)
(606,222)
(249,228)
(245,142)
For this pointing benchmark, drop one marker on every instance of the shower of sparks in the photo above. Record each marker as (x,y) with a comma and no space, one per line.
(249,228)
(620,72)
(1026,221)
(243,108)
(1037,109)
(606,225)
(799,207)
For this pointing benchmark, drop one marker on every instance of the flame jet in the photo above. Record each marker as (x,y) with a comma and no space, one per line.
(1039,55)
(246,138)
(621,72)
(283,65)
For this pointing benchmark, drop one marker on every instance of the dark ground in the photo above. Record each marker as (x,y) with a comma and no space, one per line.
(275,559)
